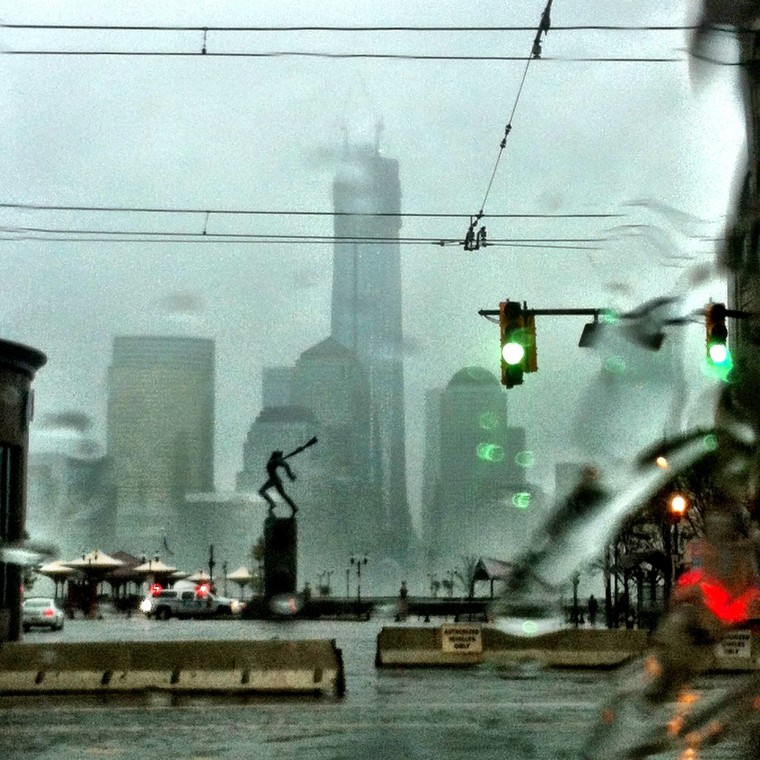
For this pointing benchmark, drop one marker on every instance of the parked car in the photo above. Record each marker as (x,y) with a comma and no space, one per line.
(187,604)
(43,612)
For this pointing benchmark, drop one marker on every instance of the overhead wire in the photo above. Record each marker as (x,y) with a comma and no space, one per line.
(203,240)
(473,241)
(337,56)
(363,239)
(346,28)
(294,212)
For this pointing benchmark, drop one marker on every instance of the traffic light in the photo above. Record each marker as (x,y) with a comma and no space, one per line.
(717,354)
(517,331)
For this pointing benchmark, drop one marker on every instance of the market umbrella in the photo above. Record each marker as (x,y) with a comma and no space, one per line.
(58,572)
(94,566)
(241,576)
(200,576)
(155,571)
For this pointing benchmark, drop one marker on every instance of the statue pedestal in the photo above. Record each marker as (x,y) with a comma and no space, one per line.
(280,555)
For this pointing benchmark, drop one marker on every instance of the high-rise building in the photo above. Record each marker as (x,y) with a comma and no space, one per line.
(481,506)
(70,501)
(276,428)
(160,435)
(275,386)
(329,380)
(366,317)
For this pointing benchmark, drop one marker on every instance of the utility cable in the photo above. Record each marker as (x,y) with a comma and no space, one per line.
(286,212)
(205,240)
(369,239)
(473,241)
(337,56)
(280,29)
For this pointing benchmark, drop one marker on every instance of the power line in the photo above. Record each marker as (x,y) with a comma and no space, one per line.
(204,240)
(497,29)
(471,240)
(338,56)
(278,236)
(293,212)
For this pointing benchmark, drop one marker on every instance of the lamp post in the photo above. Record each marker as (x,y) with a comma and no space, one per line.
(211,565)
(678,505)
(358,561)
(324,586)
(575,615)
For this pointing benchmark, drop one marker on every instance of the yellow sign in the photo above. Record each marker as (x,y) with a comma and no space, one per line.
(461,638)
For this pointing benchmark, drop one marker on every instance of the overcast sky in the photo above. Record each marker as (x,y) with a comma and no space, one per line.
(251,133)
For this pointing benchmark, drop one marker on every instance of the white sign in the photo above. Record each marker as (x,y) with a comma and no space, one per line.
(735,644)
(463,639)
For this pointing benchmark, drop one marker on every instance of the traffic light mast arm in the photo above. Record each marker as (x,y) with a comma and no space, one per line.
(733,313)
(546,312)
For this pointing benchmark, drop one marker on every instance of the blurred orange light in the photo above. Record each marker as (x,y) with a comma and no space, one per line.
(678,504)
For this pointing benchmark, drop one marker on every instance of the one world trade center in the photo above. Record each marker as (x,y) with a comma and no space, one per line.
(366,317)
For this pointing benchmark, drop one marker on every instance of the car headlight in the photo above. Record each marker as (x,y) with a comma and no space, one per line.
(146,606)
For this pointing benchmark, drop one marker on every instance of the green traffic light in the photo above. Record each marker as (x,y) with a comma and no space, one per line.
(513,352)
(718,362)
(719,354)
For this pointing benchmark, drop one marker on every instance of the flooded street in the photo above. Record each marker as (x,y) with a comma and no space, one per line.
(392,713)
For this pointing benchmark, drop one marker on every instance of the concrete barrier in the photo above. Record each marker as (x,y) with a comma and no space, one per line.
(273,666)
(569,648)
(406,646)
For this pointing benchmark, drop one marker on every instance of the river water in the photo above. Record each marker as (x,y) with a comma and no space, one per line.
(423,714)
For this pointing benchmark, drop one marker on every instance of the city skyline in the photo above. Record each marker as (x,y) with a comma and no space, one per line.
(591,138)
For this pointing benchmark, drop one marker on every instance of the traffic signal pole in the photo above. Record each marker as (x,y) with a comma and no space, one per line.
(518,333)
(553,312)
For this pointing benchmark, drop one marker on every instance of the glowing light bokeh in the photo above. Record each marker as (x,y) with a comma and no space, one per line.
(490,452)
(525,459)
(488,421)
(521,500)
(615,365)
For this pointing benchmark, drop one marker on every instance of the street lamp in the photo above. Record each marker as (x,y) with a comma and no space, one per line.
(678,505)
(324,586)
(358,561)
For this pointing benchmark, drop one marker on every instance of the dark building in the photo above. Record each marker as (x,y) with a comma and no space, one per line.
(482,505)
(18,365)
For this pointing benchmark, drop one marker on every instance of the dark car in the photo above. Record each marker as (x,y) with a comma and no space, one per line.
(42,612)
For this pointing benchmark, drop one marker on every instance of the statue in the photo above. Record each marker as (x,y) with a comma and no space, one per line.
(276,461)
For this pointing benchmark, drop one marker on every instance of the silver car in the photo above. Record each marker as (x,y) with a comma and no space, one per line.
(42,611)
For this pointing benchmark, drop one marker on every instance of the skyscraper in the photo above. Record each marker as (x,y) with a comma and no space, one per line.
(160,433)
(366,317)
(475,510)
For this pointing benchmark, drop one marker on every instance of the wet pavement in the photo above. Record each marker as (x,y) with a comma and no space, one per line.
(442,714)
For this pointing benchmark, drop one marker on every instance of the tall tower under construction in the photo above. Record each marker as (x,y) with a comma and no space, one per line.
(366,317)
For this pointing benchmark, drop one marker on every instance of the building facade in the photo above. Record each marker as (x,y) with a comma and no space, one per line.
(482,505)
(367,318)
(160,433)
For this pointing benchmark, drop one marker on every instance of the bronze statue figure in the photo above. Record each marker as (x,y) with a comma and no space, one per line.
(276,461)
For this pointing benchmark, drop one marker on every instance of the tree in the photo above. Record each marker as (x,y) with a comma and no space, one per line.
(466,574)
